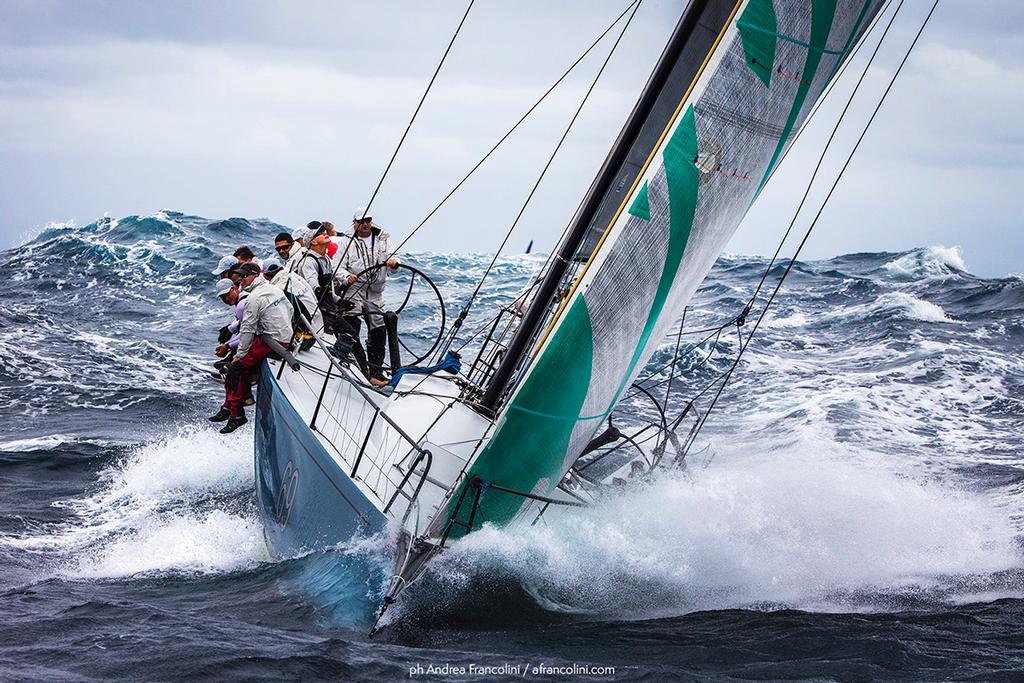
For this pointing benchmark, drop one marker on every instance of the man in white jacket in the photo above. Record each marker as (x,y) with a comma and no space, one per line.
(267,314)
(298,291)
(363,246)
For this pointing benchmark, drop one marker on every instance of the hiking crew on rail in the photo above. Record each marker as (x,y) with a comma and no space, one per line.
(333,281)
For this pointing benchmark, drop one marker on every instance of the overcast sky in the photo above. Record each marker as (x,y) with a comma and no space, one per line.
(290,110)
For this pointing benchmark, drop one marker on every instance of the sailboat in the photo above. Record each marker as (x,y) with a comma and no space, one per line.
(445,452)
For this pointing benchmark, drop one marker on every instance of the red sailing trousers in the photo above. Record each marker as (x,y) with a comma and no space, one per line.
(236,384)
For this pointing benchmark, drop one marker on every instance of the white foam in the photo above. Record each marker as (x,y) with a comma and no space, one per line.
(215,542)
(794,319)
(913,308)
(792,530)
(152,512)
(904,304)
(46,443)
(194,461)
(934,261)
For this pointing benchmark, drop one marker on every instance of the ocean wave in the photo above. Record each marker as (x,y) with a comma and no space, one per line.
(934,261)
(907,360)
(215,542)
(901,304)
(53,442)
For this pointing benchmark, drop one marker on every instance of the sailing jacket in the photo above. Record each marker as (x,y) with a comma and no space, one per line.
(237,322)
(267,312)
(316,271)
(294,262)
(354,257)
(296,287)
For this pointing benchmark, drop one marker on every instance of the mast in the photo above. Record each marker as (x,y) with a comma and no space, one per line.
(682,57)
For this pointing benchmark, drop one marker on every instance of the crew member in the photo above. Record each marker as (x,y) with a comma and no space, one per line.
(230,294)
(316,269)
(285,246)
(225,264)
(365,245)
(301,296)
(267,313)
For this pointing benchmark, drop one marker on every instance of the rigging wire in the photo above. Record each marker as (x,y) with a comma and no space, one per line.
(514,127)
(408,127)
(565,134)
(814,222)
(789,148)
(741,318)
(419,106)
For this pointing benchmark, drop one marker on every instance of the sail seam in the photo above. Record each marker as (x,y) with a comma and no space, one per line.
(790,39)
(570,418)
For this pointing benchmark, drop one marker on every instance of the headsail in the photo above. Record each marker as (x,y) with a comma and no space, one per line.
(770,63)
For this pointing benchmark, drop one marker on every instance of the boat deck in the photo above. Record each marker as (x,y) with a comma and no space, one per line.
(344,412)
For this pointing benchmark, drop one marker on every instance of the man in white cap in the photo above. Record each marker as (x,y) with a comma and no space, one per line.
(225,264)
(314,266)
(227,341)
(230,294)
(364,246)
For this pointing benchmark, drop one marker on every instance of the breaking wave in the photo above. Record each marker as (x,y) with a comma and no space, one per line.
(937,261)
(180,505)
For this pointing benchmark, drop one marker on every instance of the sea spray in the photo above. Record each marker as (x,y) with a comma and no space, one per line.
(785,529)
(180,504)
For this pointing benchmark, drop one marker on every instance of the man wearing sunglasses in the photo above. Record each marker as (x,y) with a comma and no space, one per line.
(285,246)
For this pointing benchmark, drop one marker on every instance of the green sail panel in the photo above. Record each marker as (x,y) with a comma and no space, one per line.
(758,31)
(822,15)
(535,429)
(640,207)
(681,179)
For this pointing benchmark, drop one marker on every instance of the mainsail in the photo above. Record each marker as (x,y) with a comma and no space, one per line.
(732,120)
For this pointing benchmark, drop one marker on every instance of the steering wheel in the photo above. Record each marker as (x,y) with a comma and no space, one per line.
(432,293)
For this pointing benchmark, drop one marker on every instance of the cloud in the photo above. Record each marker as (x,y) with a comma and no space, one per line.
(268,108)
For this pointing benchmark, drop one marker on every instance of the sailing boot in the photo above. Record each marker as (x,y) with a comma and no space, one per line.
(234,422)
(221,415)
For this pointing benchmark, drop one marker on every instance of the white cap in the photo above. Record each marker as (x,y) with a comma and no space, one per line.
(224,263)
(360,213)
(272,261)
(307,239)
(224,286)
(299,233)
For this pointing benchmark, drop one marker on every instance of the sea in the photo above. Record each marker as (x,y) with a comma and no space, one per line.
(853,510)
